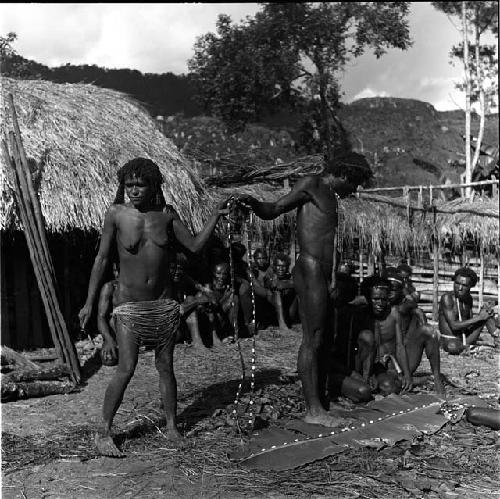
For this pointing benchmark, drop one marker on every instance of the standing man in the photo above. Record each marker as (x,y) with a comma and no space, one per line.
(457,326)
(143,231)
(315,198)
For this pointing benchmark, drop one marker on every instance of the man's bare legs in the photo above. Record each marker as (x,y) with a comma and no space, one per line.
(311,287)
(366,354)
(420,338)
(164,363)
(280,313)
(194,330)
(113,397)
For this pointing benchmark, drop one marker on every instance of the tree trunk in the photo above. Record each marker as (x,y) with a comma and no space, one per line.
(468,172)
(480,86)
(324,114)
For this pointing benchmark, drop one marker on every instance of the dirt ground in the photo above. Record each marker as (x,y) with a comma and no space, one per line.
(47,449)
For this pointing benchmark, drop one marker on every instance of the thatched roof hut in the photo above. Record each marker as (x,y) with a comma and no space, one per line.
(79,135)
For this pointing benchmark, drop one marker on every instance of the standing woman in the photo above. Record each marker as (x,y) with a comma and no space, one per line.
(143,230)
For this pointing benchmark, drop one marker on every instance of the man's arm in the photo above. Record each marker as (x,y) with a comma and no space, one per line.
(401,354)
(456,325)
(100,264)
(196,243)
(104,311)
(268,211)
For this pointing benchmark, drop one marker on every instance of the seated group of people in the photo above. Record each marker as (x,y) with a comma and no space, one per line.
(378,344)
(208,313)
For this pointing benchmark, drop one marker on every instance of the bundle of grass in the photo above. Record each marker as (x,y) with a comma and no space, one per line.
(464,220)
(78,135)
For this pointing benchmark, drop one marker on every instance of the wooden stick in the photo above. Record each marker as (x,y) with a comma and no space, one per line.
(481,278)
(39,262)
(435,286)
(32,196)
(35,257)
(35,202)
(438,186)
(399,204)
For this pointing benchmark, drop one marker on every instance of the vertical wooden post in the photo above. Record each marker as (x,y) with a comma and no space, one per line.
(494,191)
(435,284)
(420,201)
(481,277)
(292,243)
(361,269)
(430,195)
(371,264)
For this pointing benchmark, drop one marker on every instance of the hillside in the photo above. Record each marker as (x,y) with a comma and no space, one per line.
(394,133)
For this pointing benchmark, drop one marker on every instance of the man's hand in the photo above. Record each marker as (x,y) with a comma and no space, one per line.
(333,291)
(485,314)
(407,382)
(84,316)
(109,351)
(245,201)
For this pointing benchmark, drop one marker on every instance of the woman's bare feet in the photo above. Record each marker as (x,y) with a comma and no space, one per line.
(106,446)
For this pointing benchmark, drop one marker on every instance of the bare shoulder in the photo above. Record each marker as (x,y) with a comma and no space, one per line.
(447,300)
(306,183)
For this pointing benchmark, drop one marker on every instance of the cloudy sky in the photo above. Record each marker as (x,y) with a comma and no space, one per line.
(159,38)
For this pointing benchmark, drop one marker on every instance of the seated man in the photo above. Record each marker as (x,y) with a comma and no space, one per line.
(190,294)
(457,326)
(381,360)
(220,311)
(409,290)
(417,334)
(342,378)
(284,299)
(261,271)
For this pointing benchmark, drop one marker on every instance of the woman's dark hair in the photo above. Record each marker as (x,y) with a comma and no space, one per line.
(467,272)
(146,169)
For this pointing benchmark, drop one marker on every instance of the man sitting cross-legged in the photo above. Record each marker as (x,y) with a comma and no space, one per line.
(220,312)
(260,272)
(190,294)
(381,360)
(457,326)
(283,298)
(418,335)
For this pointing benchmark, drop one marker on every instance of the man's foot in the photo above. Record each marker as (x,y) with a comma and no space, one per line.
(284,329)
(106,446)
(175,437)
(199,346)
(326,419)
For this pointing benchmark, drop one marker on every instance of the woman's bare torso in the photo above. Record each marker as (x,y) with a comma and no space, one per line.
(142,241)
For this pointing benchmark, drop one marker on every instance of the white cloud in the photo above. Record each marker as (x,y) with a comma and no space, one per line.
(369,92)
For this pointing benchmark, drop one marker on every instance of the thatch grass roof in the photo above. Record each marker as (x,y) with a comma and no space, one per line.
(484,229)
(79,135)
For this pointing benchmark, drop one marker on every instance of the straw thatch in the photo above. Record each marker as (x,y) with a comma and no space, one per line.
(379,224)
(460,226)
(79,135)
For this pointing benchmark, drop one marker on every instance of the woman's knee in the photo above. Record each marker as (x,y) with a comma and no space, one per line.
(428,332)
(389,385)
(363,393)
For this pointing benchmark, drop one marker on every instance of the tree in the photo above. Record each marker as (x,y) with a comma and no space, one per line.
(289,53)
(480,66)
